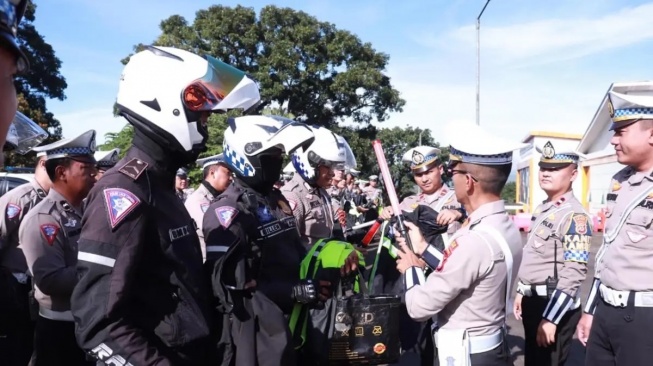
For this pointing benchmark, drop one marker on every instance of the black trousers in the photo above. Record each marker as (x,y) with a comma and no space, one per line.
(620,336)
(556,354)
(55,344)
(16,325)
(499,356)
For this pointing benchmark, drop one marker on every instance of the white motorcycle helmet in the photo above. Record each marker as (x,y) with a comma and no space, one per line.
(253,147)
(164,91)
(328,149)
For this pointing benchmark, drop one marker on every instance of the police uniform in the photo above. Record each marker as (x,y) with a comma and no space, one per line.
(253,237)
(468,290)
(312,208)
(48,237)
(198,202)
(556,255)
(621,298)
(421,159)
(141,298)
(16,325)
(373,194)
(182,194)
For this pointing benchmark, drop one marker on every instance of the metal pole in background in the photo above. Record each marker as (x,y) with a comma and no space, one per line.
(478,64)
(420,137)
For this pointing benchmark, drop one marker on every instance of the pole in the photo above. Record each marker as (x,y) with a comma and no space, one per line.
(420,137)
(478,64)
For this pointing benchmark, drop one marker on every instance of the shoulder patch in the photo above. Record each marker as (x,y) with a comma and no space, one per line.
(50,232)
(447,254)
(579,225)
(134,168)
(204,207)
(119,202)
(226,215)
(12,210)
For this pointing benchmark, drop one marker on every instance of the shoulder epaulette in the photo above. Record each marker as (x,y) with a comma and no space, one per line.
(133,168)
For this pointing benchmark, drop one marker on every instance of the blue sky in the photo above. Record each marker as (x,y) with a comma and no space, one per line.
(544,64)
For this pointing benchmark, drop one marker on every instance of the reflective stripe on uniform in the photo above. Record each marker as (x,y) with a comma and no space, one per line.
(95,258)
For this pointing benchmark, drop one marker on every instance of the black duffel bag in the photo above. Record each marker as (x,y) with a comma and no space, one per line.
(365,329)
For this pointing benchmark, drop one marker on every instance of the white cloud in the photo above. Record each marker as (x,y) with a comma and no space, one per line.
(552,39)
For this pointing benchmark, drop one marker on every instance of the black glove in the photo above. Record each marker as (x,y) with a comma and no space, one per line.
(305,292)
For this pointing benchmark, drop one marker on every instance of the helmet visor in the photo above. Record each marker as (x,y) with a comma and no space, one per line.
(24,134)
(208,92)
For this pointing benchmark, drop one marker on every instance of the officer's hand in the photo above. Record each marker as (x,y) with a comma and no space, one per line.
(386,213)
(416,238)
(446,217)
(307,292)
(516,306)
(351,264)
(341,216)
(583,328)
(546,333)
(407,259)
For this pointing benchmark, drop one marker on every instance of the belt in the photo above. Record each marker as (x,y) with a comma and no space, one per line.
(56,315)
(480,344)
(531,290)
(619,299)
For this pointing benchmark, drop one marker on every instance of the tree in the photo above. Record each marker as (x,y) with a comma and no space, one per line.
(317,72)
(508,193)
(42,81)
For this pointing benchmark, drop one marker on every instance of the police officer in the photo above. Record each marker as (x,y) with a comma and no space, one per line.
(554,263)
(105,161)
(372,191)
(469,288)
(141,298)
(619,307)
(16,325)
(181,184)
(216,180)
(48,237)
(253,248)
(427,172)
(306,192)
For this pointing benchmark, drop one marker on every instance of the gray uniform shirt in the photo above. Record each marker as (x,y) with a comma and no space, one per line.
(626,262)
(467,290)
(442,199)
(312,208)
(564,228)
(15,205)
(197,204)
(48,237)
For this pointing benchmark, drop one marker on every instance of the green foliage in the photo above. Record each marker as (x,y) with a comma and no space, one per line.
(508,193)
(322,74)
(42,81)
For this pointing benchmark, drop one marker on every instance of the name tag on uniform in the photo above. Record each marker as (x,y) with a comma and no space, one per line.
(178,233)
(277,227)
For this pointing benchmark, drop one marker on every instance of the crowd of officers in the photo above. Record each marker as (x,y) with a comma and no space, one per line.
(104,262)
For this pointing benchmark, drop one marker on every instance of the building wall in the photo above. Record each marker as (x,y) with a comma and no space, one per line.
(600,176)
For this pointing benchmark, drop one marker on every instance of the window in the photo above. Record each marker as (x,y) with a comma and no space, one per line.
(9,183)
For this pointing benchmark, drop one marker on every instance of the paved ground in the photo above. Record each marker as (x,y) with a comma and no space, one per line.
(516,331)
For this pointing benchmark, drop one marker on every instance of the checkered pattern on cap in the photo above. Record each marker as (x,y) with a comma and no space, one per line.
(211,162)
(495,159)
(577,256)
(237,162)
(561,158)
(8,16)
(66,151)
(632,113)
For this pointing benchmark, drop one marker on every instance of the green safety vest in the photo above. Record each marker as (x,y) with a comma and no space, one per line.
(325,253)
